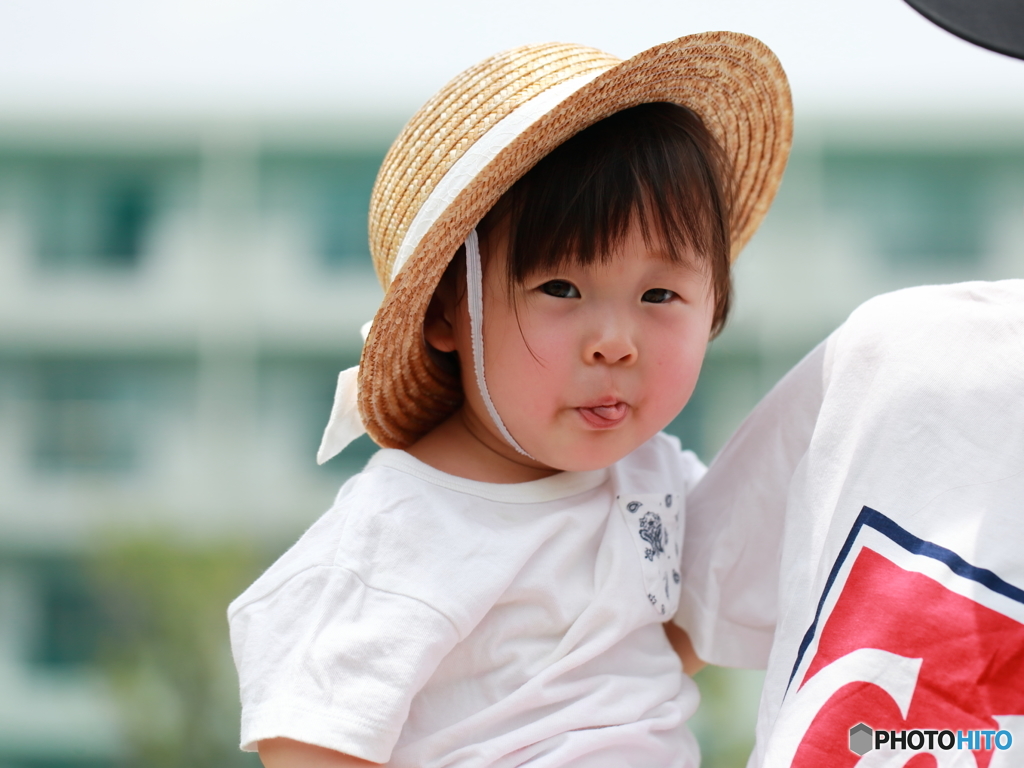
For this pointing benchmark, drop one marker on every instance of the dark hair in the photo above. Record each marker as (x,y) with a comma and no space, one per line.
(656,162)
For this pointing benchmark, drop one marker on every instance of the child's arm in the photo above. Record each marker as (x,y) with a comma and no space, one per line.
(287,753)
(680,642)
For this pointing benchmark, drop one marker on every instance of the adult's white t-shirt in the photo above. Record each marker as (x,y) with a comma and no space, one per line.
(870,515)
(427,620)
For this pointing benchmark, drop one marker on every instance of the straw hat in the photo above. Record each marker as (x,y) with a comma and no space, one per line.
(481,133)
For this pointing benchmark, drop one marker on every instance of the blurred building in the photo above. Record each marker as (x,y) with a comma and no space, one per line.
(176,302)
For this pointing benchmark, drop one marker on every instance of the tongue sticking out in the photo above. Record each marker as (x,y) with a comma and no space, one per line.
(604,416)
(610,412)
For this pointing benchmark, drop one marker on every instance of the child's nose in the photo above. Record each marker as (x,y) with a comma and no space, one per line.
(613,347)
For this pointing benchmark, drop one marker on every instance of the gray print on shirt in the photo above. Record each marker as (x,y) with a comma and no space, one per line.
(651,532)
(656,526)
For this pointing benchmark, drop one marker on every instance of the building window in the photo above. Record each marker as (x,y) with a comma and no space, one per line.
(331,196)
(94,216)
(342,209)
(916,208)
(69,616)
(87,418)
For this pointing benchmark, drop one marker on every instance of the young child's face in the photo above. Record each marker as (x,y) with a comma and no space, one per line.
(588,362)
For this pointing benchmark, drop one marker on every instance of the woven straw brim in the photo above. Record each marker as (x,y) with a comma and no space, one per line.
(732,81)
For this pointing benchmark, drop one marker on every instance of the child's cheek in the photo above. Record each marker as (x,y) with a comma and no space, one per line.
(670,355)
(677,374)
(544,355)
(536,358)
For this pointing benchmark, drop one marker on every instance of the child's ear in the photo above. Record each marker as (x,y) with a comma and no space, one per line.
(439,322)
(438,326)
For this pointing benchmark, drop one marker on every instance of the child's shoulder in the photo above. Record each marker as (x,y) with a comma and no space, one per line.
(404,528)
(376,516)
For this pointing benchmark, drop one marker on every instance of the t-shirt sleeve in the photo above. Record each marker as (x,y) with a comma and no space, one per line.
(327,660)
(734,524)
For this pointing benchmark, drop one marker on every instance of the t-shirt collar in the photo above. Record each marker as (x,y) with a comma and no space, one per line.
(559,486)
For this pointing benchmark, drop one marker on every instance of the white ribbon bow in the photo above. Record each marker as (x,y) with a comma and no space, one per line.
(344,426)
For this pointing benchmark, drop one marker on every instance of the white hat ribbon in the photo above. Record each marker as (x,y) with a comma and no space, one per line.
(474,282)
(344,425)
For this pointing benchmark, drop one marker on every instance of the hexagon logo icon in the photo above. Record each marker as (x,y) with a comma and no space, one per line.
(861,738)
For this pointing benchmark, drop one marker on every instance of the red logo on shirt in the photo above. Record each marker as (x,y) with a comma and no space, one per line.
(908,636)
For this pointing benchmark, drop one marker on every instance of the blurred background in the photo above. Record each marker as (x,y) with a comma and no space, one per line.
(183,272)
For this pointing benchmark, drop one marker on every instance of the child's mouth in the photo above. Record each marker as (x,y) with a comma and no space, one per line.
(604,416)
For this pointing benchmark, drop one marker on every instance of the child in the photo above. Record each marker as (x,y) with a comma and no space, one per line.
(492,590)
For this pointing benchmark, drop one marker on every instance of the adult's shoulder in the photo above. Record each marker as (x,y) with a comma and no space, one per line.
(931,297)
(927,332)
(907,315)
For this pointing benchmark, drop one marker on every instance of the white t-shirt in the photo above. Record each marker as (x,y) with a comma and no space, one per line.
(428,620)
(870,512)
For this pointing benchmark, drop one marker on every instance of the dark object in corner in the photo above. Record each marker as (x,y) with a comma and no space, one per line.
(994,24)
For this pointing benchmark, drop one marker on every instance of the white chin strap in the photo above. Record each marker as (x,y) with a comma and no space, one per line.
(474,284)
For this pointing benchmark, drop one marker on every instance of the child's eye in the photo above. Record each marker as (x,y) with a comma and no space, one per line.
(560,289)
(657,295)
